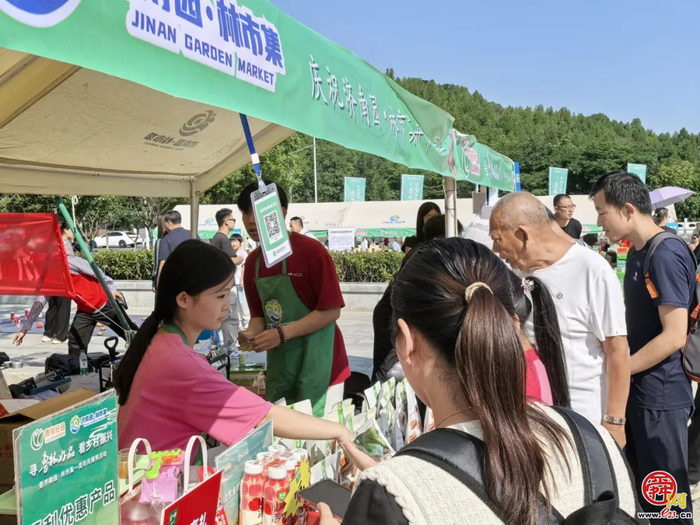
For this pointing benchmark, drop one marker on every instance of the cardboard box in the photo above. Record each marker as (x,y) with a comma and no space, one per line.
(18,416)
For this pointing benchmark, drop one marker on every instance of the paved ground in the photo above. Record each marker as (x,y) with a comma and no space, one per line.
(356,328)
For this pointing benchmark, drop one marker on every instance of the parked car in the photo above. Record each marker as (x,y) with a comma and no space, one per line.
(116,240)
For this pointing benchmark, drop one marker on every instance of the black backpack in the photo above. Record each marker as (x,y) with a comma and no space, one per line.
(462,456)
(691,351)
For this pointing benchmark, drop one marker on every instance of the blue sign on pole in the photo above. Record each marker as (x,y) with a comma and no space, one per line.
(518,187)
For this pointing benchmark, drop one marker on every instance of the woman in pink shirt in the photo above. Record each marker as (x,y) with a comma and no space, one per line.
(545,380)
(168,392)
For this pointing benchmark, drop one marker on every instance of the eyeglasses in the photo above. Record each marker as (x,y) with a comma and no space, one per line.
(572,207)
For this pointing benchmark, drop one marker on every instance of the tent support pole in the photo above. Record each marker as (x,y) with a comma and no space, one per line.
(194,209)
(254,158)
(86,252)
(450,207)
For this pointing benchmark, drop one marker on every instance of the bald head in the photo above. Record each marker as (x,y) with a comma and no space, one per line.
(520,209)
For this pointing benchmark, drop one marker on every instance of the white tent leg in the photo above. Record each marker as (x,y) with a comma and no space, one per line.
(194,210)
(450,207)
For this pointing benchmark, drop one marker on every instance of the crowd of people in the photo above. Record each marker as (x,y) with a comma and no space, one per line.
(489,337)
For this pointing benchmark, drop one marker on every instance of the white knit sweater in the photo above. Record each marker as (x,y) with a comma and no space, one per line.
(430,496)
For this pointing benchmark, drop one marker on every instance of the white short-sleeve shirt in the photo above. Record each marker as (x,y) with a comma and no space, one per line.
(590,308)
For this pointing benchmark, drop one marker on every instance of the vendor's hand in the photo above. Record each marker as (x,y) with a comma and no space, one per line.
(358,458)
(267,340)
(17,340)
(245,341)
(118,295)
(327,517)
(618,433)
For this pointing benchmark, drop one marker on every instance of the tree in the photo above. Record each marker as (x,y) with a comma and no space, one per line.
(685,174)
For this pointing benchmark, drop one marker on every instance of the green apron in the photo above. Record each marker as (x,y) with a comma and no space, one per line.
(300,368)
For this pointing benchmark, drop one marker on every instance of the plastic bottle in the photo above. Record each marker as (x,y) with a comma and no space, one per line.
(274,493)
(251,511)
(83,363)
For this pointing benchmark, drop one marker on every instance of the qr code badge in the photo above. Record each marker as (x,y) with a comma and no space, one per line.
(273,226)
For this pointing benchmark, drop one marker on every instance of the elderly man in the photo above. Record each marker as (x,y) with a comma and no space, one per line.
(589,301)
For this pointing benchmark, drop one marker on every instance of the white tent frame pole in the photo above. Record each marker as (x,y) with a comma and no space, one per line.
(450,207)
(194,209)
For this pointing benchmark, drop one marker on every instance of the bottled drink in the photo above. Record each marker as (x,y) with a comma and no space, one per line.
(275,493)
(83,363)
(251,512)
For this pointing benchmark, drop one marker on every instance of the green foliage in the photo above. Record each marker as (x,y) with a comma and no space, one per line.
(357,267)
(126,266)
(539,137)
(377,267)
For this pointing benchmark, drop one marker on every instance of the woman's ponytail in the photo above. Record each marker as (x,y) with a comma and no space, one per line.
(491,369)
(550,349)
(126,371)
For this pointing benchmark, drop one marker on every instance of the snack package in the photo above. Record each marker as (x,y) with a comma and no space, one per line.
(372,395)
(386,397)
(384,423)
(320,449)
(327,468)
(371,441)
(401,409)
(281,402)
(397,439)
(429,423)
(358,420)
(413,425)
(334,397)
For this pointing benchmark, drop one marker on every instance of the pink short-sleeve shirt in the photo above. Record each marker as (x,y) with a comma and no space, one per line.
(177,394)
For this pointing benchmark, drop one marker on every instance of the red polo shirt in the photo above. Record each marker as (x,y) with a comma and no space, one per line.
(316,283)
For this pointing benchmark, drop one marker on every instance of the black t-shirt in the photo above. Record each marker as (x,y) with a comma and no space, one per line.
(172,240)
(573,229)
(409,242)
(672,271)
(223,243)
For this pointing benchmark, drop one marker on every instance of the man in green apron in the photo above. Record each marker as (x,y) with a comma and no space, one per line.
(294,307)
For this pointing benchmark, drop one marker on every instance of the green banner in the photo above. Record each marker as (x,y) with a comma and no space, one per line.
(640,170)
(250,57)
(557,180)
(355,189)
(68,464)
(412,187)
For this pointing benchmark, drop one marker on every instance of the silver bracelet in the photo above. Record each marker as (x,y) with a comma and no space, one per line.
(620,421)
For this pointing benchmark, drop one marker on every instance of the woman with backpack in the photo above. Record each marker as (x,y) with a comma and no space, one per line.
(457,340)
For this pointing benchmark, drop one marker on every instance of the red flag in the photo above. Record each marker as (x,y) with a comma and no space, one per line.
(32,256)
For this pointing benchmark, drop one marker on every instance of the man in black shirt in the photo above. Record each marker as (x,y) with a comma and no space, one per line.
(661,399)
(176,236)
(563,212)
(222,241)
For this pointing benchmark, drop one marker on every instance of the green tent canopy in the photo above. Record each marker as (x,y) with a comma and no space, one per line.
(117,97)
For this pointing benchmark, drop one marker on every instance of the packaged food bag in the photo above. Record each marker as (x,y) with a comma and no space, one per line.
(372,395)
(327,468)
(397,439)
(413,425)
(429,423)
(371,441)
(386,397)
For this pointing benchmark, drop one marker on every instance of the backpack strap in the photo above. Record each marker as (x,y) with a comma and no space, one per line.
(651,247)
(462,456)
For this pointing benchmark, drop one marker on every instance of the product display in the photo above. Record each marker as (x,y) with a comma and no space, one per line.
(275,490)
(251,512)
(163,481)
